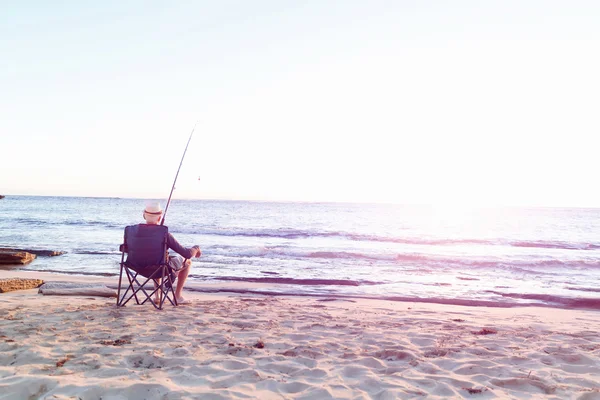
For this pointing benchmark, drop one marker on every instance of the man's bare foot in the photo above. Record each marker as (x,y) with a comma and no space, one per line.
(181,300)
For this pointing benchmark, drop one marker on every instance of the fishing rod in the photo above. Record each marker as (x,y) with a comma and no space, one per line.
(177,174)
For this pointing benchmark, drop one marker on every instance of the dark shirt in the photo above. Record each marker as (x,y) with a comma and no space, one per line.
(174,245)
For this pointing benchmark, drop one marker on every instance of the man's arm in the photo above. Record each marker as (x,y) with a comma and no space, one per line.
(174,245)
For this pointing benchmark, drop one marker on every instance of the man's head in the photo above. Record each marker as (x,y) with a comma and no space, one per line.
(153,213)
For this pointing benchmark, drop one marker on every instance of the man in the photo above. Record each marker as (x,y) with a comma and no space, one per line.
(153,215)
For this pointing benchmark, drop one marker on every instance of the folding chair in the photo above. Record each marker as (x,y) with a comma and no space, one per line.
(147,261)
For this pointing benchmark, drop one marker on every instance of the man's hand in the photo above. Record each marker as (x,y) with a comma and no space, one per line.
(198,251)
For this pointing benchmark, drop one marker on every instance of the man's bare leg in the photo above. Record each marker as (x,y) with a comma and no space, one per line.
(181,277)
(156,294)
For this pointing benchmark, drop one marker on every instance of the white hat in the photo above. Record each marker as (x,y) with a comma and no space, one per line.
(153,208)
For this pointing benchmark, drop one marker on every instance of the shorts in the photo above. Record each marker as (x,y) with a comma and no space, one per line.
(176,262)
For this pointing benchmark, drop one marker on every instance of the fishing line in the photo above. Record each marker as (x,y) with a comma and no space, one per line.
(177,174)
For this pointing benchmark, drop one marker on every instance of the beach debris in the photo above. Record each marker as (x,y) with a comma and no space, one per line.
(485,331)
(259,345)
(388,355)
(436,353)
(63,361)
(239,349)
(10,257)
(474,390)
(116,342)
(12,284)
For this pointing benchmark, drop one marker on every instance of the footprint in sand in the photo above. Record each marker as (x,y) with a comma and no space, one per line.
(141,361)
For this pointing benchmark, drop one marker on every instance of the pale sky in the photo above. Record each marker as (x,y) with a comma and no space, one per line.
(459,102)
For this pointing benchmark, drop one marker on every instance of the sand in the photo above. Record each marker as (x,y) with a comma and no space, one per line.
(234,346)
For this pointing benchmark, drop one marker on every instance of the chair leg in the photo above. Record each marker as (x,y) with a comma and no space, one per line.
(131,279)
(171,288)
(121,299)
(163,287)
(140,287)
(120,279)
(166,285)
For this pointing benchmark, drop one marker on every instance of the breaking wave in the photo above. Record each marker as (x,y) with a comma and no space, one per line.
(420,259)
(561,301)
(307,234)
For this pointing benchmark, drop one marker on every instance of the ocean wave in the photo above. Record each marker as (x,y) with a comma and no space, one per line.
(70,272)
(227,255)
(557,245)
(582,289)
(99,252)
(230,254)
(307,234)
(562,301)
(80,222)
(38,222)
(27,221)
(291,281)
(294,234)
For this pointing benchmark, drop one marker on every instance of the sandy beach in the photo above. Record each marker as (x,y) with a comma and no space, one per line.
(228,346)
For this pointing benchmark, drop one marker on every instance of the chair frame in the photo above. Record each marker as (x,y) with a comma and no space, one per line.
(163,272)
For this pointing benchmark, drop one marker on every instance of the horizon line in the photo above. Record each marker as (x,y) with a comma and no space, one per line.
(391,203)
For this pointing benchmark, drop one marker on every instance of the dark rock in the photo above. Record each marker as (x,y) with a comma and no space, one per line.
(43,253)
(10,257)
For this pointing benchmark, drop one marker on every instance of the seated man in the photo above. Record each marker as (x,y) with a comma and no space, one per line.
(153,215)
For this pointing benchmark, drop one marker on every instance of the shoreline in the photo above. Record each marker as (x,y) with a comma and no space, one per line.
(243,287)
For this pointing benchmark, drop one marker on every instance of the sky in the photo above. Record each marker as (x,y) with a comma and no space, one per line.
(408,101)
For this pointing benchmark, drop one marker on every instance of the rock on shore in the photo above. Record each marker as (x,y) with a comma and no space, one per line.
(12,284)
(8,256)
(44,253)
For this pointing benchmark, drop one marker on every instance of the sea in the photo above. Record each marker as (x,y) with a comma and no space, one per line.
(487,257)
